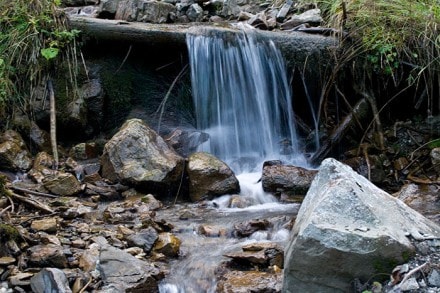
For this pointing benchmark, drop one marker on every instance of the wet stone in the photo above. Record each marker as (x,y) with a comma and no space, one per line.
(167,244)
(50,280)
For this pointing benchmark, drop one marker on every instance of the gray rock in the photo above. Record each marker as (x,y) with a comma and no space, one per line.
(154,11)
(144,239)
(434,278)
(127,10)
(348,228)
(230,8)
(284,10)
(122,272)
(137,155)
(108,6)
(195,12)
(209,177)
(50,280)
(312,16)
(39,138)
(14,155)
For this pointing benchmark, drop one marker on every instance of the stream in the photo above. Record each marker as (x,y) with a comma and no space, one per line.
(201,256)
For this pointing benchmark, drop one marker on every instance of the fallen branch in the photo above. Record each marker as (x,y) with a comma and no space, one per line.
(412,272)
(32,203)
(31,191)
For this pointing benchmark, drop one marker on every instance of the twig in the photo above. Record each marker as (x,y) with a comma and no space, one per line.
(32,192)
(367,160)
(86,285)
(32,203)
(125,59)
(5,210)
(11,202)
(412,272)
(161,108)
(38,217)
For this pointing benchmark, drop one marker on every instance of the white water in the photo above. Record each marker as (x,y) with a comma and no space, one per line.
(243,101)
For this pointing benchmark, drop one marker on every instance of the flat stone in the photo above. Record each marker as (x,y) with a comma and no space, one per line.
(7,260)
(48,225)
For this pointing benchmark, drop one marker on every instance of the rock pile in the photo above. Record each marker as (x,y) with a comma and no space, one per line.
(262,15)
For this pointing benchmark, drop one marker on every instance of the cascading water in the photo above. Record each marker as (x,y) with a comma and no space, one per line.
(242,99)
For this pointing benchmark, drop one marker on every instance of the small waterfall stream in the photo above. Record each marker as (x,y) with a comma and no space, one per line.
(242,100)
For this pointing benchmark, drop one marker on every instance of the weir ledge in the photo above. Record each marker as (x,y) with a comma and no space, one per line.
(296,47)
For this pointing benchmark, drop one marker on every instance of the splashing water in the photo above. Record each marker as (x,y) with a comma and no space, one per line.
(242,99)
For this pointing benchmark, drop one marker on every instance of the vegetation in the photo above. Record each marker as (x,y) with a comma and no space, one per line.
(395,40)
(390,33)
(34,39)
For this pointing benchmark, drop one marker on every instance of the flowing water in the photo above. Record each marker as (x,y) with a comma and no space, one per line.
(242,100)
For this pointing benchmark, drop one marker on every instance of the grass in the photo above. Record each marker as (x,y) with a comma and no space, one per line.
(390,36)
(34,39)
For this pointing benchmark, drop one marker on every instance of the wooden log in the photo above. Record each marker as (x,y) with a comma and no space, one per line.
(296,47)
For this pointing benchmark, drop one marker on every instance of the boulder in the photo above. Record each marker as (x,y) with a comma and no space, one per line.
(107,8)
(293,180)
(127,10)
(137,155)
(348,228)
(14,155)
(84,151)
(144,239)
(209,177)
(122,272)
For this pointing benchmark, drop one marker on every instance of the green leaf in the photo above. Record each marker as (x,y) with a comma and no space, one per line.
(49,53)
(434,143)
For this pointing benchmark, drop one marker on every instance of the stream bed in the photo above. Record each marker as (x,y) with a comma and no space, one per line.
(201,255)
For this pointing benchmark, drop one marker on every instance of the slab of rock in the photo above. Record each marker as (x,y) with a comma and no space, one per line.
(122,272)
(312,16)
(155,11)
(250,281)
(262,255)
(48,225)
(137,155)
(49,255)
(62,183)
(50,280)
(348,228)
(292,180)
(209,177)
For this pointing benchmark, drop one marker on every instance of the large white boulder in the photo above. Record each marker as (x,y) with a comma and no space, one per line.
(348,228)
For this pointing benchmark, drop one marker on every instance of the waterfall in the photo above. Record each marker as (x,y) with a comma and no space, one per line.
(242,98)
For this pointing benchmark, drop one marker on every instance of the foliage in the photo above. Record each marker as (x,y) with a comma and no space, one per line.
(34,38)
(391,32)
